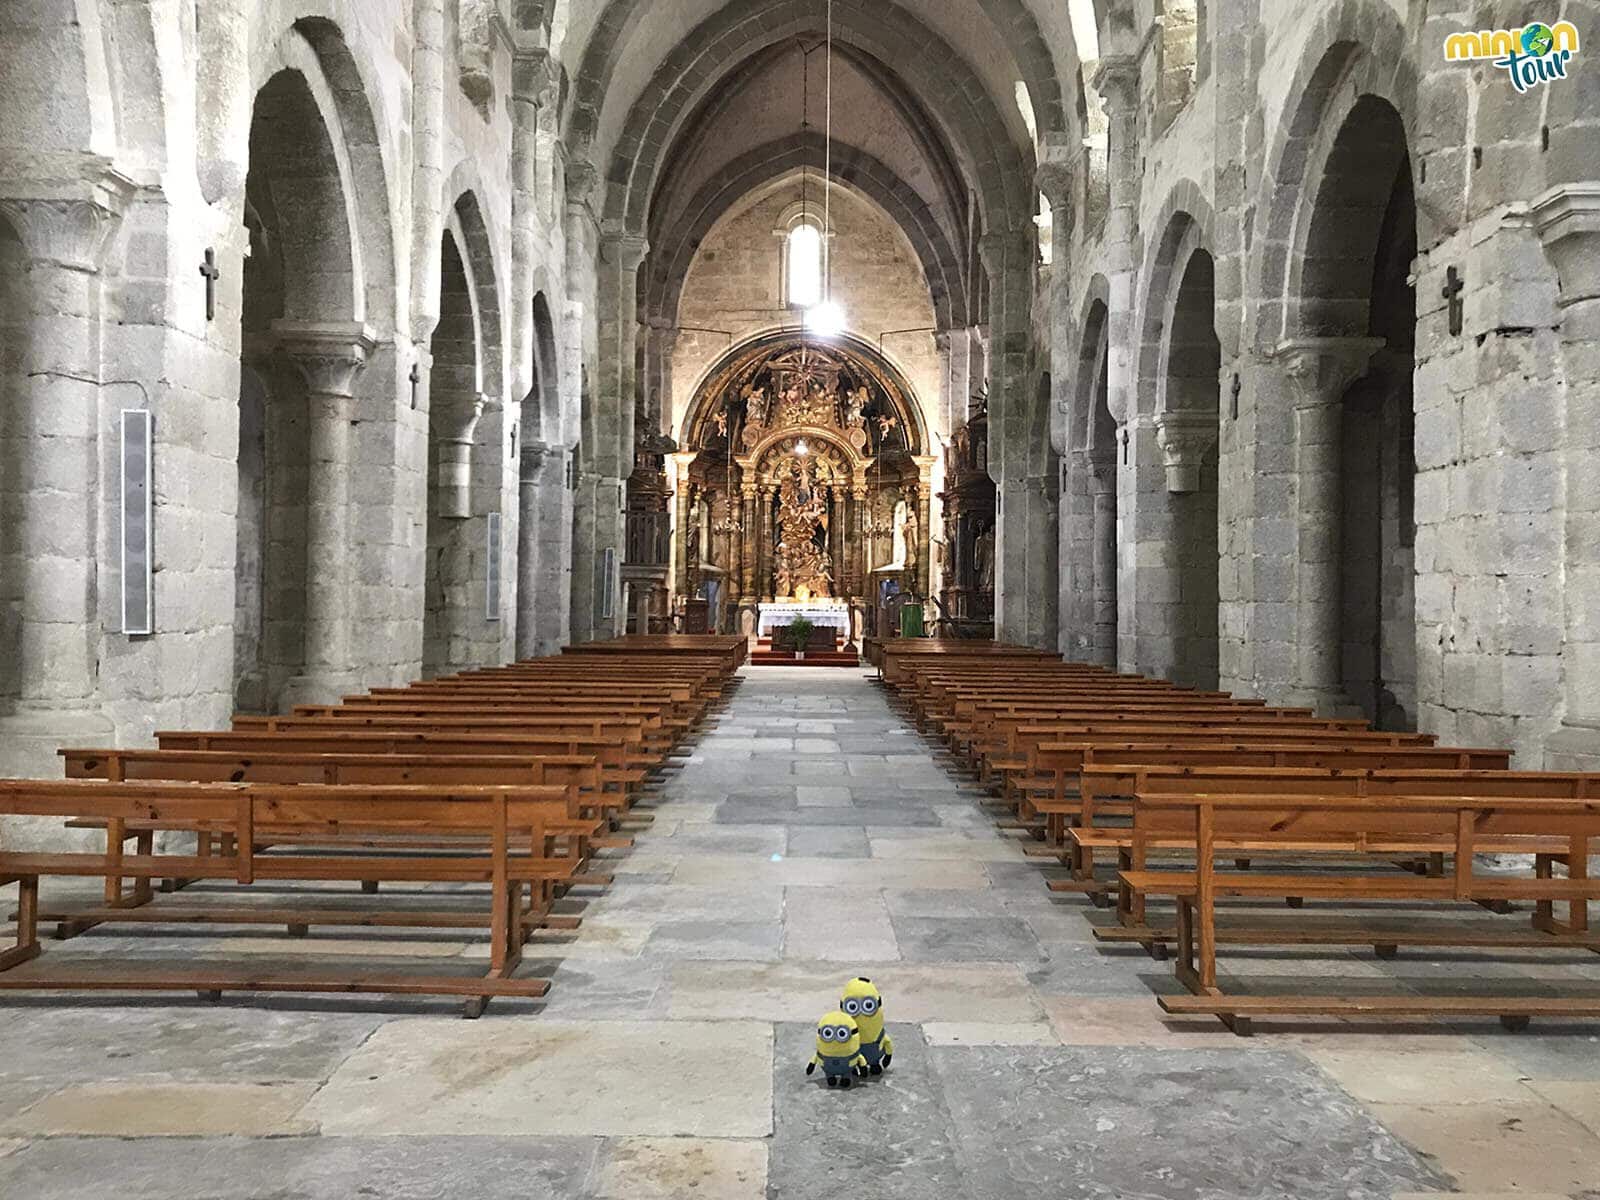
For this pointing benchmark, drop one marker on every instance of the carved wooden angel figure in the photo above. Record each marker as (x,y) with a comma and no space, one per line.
(855,408)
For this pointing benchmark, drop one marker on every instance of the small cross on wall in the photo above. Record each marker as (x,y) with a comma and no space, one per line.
(1454,285)
(212,273)
(415,377)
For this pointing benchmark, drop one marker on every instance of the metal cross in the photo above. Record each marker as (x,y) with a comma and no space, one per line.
(1454,286)
(212,273)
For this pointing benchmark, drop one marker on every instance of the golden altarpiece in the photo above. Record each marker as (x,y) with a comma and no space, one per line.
(803,478)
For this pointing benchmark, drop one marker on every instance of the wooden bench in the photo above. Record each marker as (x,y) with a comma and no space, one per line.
(623,768)
(1557,831)
(1076,782)
(500,837)
(1124,839)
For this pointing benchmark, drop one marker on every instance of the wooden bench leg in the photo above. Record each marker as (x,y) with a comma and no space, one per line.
(27,947)
(1544,911)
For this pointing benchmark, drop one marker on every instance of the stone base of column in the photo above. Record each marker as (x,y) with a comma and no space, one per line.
(1574,747)
(318,688)
(29,739)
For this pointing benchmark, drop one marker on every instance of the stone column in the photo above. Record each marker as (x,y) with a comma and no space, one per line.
(1117,80)
(1021,459)
(535,86)
(543,569)
(1316,373)
(53,409)
(1568,221)
(458,418)
(1103,488)
(330,356)
(608,434)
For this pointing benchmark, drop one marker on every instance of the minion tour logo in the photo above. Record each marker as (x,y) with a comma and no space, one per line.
(1534,54)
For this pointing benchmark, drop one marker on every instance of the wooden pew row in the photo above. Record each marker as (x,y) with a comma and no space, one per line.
(1341,781)
(1048,783)
(500,838)
(1558,832)
(1078,782)
(623,769)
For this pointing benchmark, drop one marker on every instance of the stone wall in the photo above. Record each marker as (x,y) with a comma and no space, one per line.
(125,145)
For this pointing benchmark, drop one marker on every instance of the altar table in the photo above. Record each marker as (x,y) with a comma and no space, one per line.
(836,616)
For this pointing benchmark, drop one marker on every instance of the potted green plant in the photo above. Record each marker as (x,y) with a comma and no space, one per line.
(800,636)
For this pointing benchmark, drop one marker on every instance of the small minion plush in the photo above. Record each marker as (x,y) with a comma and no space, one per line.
(863,1002)
(838,1050)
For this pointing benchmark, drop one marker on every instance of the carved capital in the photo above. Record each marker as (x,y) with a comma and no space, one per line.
(1058,161)
(330,354)
(621,248)
(1102,468)
(1007,252)
(1320,369)
(535,453)
(536,77)
(1568,220)
(1185,438)
(68,221)
(1116,78)
(583,182)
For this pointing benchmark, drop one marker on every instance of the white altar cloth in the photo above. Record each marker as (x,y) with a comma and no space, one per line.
(835,615)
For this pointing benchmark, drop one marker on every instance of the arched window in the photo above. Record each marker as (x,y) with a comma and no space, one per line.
(803,266)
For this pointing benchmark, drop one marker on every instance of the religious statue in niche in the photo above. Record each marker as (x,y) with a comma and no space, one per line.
(983,560)
(756,406)
(900,526)
(802,559)
(855,417)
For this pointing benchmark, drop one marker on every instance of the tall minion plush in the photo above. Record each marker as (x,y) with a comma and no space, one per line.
(838,1050)
(863,1002)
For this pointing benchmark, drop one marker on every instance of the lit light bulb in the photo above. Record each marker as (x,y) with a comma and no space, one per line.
(825,319)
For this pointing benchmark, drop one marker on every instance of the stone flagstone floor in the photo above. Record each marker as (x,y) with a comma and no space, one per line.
(812,836)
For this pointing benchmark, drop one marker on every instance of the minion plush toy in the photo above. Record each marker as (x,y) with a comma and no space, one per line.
(838,1050)
(863,1002)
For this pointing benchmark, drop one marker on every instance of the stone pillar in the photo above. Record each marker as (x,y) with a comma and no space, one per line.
(457,418)
(1103,488)
(1568,221)
(608,431)
(1316,373)
(543,566)
(54,409)
(1021,459)
(1116,78)
(330,356)
(224,99)
(427,172)
(535,87)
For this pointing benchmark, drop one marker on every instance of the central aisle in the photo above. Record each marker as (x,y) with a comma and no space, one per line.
(813,836)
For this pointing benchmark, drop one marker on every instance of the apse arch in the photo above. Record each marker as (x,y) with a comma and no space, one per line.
(687,75)
(740,363)
(855,170)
